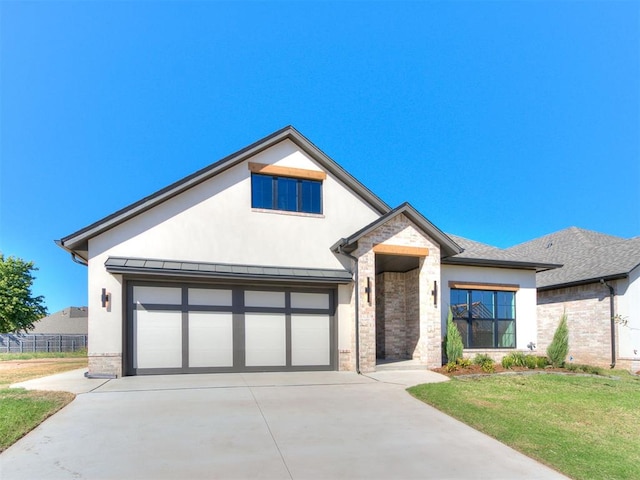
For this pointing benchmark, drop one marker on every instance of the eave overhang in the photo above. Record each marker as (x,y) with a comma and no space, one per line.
(514,264)
(223,271)
(586,281)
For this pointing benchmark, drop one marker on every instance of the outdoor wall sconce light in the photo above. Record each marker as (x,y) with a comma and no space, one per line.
(368,290)
(434,292)
(106,298)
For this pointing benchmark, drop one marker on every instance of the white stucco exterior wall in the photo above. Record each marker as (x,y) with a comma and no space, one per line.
(628,308)
(214,222)
(526,320)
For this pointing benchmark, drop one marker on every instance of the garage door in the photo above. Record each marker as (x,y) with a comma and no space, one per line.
(217,328)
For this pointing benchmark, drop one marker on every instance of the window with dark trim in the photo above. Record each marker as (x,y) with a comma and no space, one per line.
(284,193)
(485,318)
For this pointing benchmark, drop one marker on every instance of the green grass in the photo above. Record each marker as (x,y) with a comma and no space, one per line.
(35,355)
(585,427)
(22,410)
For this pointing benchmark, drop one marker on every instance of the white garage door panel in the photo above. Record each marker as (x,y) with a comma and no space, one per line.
(310,340)
(210,339)
(158,295)
(209,296)
(254,298)
(159,339)
(309,300)
(265,339)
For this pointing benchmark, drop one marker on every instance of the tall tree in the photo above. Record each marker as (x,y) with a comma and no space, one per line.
(19,309)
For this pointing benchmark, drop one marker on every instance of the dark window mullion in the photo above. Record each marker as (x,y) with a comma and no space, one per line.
(274,197)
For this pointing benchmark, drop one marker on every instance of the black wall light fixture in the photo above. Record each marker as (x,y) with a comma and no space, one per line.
(106,298)
(368,290)
(434,292)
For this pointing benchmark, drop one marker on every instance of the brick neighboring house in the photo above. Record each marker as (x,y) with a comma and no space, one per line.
(599,280)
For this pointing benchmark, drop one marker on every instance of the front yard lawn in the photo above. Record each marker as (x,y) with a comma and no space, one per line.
(583,426)
(23,410)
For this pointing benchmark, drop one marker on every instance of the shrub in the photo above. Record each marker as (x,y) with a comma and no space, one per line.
(531,361)
(485,362)
(519,359)
(559,346)
(541,362)
(451,367)
(507,361)
(464,362)
(488,367)
(482,358)
(454,344)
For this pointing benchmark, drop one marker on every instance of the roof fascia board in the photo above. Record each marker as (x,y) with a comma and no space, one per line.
(514,264)
(577,283)
(210,171)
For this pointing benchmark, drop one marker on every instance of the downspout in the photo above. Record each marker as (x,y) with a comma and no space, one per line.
(612,312)
(357,301)
(74,256)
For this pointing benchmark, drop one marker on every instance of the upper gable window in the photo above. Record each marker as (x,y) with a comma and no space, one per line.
(283,193)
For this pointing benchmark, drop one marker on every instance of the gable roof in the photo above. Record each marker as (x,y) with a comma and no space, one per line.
(481,254)
(587,256)
(447,245)
(77,242)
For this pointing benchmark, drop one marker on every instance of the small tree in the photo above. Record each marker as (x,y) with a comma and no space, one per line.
(559,347)
(19,309)
(453,344)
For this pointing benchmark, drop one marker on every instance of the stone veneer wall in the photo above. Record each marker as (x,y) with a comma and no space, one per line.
(106,364)
(394,327)
(380,317)
(399,230)
(588,319)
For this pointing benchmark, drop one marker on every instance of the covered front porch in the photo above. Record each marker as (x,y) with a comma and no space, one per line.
(397,291)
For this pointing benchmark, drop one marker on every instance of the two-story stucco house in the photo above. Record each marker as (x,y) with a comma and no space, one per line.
(276,259)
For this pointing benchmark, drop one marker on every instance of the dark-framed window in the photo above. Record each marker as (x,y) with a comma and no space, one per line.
(485,318)
(284,193)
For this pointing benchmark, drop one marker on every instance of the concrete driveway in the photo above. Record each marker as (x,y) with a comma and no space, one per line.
(271,425)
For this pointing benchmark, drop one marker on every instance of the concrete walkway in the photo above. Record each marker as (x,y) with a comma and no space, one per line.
(267,425)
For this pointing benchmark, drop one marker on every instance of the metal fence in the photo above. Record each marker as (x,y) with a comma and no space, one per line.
(41,342)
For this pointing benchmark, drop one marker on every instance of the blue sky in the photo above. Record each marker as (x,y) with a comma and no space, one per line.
(499,121)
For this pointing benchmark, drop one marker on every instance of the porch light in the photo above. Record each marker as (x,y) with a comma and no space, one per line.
(434,292)
(106,298)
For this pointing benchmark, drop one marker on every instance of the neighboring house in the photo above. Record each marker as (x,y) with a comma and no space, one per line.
(276,259)
(598,287)
(69,321)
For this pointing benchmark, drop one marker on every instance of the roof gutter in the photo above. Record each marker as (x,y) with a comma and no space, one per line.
(339,249)
(74,256)
(612,310)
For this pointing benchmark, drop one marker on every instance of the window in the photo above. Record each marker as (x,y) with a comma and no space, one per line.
(485,318)
(284,193)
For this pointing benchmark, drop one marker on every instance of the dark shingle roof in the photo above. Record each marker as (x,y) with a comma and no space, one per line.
(587,256)
(481,254)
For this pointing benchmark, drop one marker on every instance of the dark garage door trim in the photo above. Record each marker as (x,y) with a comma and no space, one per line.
(238,310)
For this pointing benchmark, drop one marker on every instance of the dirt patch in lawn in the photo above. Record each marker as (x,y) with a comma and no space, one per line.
(13,371)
